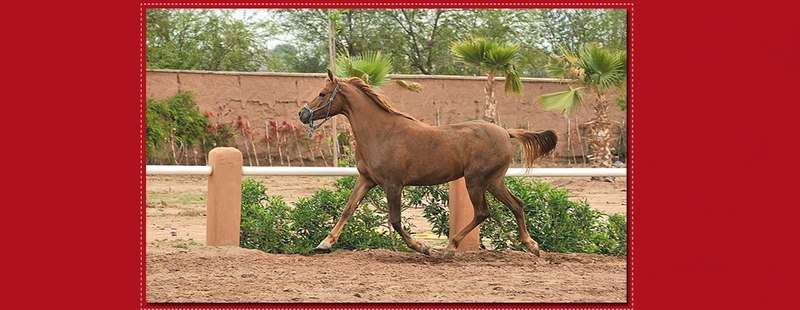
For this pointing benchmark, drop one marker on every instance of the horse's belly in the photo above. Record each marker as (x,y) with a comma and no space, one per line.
(432,181)
(432,176)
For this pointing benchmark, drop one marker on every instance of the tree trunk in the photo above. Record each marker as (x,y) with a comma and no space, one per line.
(569,141)
(599,139)
(580,140)
(490,108)
(332,65)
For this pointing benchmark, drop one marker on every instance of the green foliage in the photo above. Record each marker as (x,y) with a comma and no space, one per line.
(178,120)
(266,220)
(598,69)
(556,222)
(417,40)
(602,68)
(372,67)
(491,57)
(205,40)
(270,225)
(612,238)
(565,101)
(433,201)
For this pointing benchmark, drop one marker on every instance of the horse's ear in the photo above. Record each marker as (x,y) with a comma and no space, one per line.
(331,76)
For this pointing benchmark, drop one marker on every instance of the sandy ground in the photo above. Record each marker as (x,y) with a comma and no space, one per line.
(214,274)
(181,269)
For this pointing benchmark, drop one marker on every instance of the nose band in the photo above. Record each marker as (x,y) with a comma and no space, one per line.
(313,127)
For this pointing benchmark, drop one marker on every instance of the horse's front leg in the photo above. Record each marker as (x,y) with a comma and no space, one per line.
(394,198)
(363,185)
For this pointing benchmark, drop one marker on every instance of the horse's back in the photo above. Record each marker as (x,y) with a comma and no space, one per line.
(481,143)
(478,129)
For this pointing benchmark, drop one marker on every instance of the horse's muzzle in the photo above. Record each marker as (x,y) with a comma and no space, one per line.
(305,115)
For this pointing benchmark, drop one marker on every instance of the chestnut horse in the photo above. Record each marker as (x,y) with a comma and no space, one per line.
(395,150)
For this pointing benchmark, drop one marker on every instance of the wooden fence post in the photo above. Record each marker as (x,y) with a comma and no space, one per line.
(461,213)
(223,213)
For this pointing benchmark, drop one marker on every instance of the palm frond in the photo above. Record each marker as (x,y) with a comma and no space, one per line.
(372,67)
(557,66)
(603,68)
(513,82)
(500,55)
(484,53)
(564,101)
(470,51)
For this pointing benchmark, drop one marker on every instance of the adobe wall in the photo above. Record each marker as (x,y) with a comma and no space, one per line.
(279,96)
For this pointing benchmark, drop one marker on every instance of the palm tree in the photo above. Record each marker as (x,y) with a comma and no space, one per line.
(597,71)
(492,58)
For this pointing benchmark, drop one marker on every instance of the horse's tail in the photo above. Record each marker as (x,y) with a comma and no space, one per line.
(534,144)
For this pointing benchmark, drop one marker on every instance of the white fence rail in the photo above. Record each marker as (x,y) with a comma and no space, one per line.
(346,171)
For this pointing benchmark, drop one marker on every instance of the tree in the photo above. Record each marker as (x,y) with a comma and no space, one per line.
(598,71)
(491,58)
(549,29)
(288,58)
(205,40)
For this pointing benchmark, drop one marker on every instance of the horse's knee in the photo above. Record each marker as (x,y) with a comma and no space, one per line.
(481,215)
(397,224)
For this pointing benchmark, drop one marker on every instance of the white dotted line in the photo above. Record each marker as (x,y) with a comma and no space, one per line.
(141,158)
(494,4)
(300,306)
(387,4)
(631,142)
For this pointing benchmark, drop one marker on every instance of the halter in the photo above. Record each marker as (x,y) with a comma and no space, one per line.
(311,126)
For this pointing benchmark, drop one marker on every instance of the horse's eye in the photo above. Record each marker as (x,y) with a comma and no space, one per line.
(321,95)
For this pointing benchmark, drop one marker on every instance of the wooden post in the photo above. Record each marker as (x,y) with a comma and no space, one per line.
(332,65)
(223,213)
(461,213)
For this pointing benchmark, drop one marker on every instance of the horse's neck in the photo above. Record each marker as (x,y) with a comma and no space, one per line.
(369,121)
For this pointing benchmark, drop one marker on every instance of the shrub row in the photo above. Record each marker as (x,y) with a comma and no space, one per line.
(271,225)
(556,222)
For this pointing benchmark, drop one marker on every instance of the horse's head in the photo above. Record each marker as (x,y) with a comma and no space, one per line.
(328,103)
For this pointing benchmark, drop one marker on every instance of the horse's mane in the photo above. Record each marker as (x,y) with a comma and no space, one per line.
(377,98)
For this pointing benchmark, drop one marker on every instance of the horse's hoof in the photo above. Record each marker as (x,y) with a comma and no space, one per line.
(448,253)
(536,252)
(319,250)
(424,249)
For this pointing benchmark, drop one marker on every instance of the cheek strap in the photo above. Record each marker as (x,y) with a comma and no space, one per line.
(313,127)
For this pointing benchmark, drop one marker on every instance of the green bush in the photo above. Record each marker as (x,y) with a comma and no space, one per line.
(433,201)
(270,225)
(265,221)
(557,223)
(178,120)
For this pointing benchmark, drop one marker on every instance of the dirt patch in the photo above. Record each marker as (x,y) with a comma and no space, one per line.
(181,269)
(187,272)
(609,197)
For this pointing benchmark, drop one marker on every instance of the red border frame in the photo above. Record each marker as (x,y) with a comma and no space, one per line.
(410,4)
(715,172)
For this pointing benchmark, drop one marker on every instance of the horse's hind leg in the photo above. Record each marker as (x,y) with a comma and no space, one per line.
(394,198)
(477,195)
(501,192)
